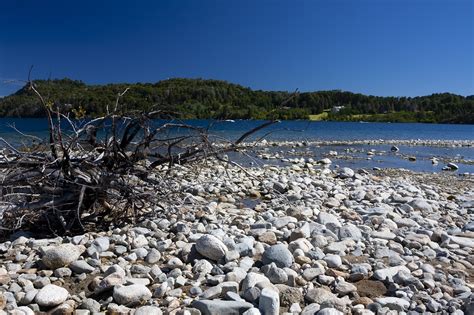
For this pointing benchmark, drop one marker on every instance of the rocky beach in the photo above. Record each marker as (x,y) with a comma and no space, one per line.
(298,239)
(237,157)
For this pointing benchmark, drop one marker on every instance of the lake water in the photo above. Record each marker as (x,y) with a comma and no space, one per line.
(313,131)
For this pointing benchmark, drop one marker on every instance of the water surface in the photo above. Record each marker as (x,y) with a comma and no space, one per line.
(314,131)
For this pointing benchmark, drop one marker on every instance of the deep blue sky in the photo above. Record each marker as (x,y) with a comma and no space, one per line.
(380,47)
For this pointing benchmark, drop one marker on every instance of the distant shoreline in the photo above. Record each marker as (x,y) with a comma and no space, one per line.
(214,99)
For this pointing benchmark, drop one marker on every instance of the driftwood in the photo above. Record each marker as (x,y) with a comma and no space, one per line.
(106,170)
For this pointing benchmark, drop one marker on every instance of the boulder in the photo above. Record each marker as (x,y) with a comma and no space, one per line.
(278,254)
(59,256)
(211,247)
(213,307)
(131,295)
(51,295)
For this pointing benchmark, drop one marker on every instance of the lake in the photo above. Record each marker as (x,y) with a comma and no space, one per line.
(340,131)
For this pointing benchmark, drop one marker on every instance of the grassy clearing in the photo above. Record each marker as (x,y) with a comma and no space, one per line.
(318,117)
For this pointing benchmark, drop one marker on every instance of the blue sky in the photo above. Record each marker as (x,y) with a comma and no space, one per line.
(378,47)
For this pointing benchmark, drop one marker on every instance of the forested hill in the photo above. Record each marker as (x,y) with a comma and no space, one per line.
(197,98)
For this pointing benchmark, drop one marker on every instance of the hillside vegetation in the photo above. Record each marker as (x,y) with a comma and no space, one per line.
(197,98)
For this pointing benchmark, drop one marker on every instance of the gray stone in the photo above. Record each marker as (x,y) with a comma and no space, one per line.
(326,218)
(311,309)
(252,311)
(101,244)
(275,274)
(318,295)
(333,261)
(280,222)
(329,311)
(382,274)
(336,248)
(153,256)
(394,303)
(28,298)
(462,241)
(252,279)
(420,204)
(22,310)
(202,267)
(91,305)
(311,273)
(350,231)
(51,295)
(252,294)
(175,293)
(212,293)
(40,282)
(279,254)
(269,303)
(384,234)
(325,161)
(215,307)
(120,249)
(211,247)
(132,294)
(433,306)
(290,295)
(403,277)
(374,211)
(62,272)
(139,241)
(346,172)
(60,256)
(195,291)
(148,310)
(401,222)
(81,266)
(345,288)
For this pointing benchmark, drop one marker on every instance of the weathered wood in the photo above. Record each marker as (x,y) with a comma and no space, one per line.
(95,174)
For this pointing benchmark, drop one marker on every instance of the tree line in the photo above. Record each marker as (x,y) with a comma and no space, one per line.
(199,98)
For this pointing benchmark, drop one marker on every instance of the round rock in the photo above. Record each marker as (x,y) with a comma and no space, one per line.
(279,254)
(51,295)
(333,261)
(211,247)
(61,255)
(131,295)
(148,310)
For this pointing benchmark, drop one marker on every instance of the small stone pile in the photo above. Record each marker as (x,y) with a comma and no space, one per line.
(270,240)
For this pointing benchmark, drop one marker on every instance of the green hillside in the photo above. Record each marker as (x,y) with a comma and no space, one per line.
(198,98)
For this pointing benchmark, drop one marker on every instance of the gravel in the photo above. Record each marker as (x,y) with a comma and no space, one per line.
(304,239)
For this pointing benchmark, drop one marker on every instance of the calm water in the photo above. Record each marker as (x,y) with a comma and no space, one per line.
(305,130)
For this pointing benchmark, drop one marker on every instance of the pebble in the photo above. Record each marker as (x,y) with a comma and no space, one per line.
(211,247)
(132,294)
(60,256)
(278,254)
(81,266)
(269,302)
(333,261)
(316,241)
(148,310)
(384,273)
(213,307)
(51,295)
